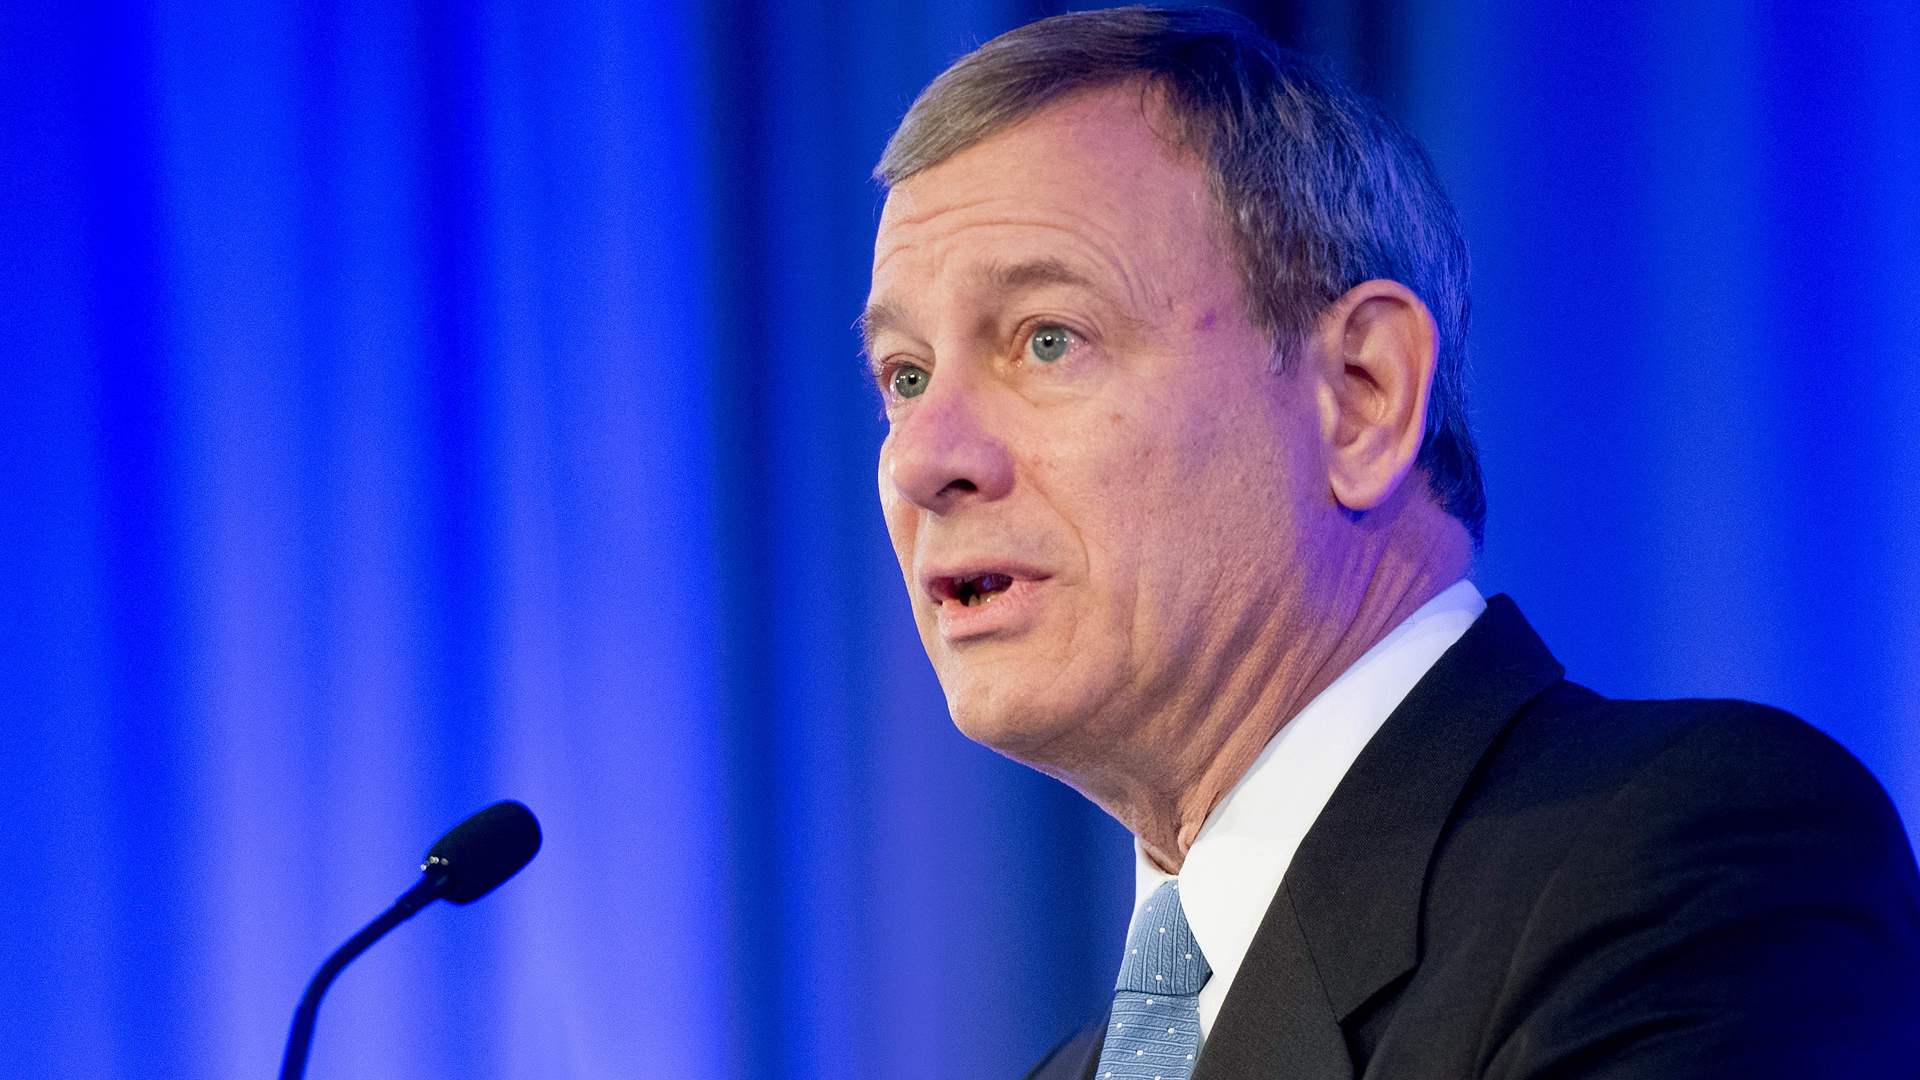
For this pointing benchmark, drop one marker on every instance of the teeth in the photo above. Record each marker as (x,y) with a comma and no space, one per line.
(974,592)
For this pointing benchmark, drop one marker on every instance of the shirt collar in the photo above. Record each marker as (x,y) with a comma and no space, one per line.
(1235,865)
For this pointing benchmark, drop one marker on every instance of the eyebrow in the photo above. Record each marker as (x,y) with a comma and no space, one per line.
(1015,277)
(1029,275)
(879,317)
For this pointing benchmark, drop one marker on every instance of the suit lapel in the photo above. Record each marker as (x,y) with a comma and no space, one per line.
(1346,920)
(1276,1020)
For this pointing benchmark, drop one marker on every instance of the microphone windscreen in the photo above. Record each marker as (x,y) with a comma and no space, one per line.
(486,849)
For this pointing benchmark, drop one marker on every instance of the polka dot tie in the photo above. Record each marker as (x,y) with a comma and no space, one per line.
(1154,1033)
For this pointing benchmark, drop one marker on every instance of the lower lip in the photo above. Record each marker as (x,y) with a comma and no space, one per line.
(1009,611)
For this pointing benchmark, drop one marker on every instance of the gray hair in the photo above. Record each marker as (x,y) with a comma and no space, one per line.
(1319,188)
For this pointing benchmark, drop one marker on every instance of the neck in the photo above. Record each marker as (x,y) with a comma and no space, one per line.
(1242,695)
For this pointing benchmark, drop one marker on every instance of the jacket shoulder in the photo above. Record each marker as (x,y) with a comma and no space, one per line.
(1659,792)
(1713,755)
(1717,872)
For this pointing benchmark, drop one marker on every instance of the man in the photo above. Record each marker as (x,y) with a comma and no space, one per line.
(1170,330)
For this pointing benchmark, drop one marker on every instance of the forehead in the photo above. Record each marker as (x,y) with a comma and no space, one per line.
(1089,187)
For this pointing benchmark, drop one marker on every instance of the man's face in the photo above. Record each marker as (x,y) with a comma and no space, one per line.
(1093,478)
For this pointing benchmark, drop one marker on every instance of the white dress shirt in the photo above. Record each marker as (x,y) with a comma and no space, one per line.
(1235,865)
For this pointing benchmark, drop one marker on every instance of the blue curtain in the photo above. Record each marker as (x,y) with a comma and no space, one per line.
(412,405)
(1696,234)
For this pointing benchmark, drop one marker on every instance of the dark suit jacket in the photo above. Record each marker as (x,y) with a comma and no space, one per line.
(1521,878)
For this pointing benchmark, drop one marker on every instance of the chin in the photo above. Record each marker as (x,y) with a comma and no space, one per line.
(1020,722)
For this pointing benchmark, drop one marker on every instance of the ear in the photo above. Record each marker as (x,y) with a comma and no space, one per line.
(1373,351)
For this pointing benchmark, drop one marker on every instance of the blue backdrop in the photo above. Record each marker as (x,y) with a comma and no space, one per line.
(415,404)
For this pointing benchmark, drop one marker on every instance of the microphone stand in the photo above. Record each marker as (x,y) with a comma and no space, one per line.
(433,885)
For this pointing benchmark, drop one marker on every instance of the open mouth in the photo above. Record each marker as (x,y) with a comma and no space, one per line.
(979,588)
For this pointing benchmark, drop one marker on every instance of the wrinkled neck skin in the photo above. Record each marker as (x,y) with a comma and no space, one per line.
(1192,741)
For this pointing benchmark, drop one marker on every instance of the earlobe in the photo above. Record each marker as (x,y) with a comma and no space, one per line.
(1376,348)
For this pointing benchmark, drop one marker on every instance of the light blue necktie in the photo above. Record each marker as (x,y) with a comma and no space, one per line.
(1154,1033)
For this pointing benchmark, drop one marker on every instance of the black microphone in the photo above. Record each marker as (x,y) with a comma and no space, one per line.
(465,865)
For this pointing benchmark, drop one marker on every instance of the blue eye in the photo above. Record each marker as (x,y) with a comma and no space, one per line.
(910,381)
(1049,343)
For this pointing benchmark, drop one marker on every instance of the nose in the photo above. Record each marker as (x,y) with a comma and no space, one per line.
(942,456)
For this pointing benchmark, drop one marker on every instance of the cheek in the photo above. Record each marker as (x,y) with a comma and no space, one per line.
(1214,494)
(899,515)
(1108,483)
